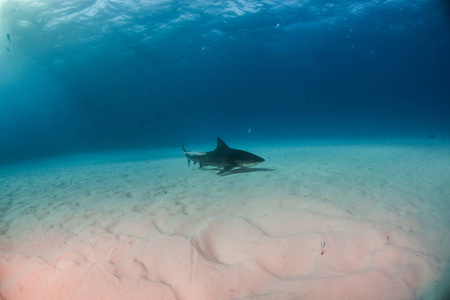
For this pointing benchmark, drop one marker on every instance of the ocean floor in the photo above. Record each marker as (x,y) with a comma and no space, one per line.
(331,221)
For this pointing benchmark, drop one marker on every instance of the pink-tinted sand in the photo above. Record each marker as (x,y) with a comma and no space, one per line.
(336,222)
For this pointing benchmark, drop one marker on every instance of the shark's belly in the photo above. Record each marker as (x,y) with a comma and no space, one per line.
(245,164)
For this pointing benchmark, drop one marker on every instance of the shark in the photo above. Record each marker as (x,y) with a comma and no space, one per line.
(223,157)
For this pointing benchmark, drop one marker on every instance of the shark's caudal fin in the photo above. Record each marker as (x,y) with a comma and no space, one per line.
(187,156)
(221,144)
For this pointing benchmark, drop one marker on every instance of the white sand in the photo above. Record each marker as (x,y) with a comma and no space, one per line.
(135,226)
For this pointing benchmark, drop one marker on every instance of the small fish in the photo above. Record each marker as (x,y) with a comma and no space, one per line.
(7,48)
(9,37)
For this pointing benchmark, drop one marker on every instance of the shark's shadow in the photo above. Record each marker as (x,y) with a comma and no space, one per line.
(240,170)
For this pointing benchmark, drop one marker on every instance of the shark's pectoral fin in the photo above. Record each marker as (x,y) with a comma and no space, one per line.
(226,169)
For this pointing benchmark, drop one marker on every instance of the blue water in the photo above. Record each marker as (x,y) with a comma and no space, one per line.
(89,75)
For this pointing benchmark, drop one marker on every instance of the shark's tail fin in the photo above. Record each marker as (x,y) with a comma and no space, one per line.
(187,156)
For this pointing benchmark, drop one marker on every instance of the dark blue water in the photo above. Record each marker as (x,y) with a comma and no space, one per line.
(95,75)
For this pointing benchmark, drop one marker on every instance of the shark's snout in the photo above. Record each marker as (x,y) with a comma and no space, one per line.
(250,161)
(258,159)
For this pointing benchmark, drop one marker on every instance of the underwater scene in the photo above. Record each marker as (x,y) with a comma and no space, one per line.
(224,149)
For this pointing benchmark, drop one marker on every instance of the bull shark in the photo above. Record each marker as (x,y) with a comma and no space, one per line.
(223,157)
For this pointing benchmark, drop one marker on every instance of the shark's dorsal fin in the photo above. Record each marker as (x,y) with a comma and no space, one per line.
(221,144)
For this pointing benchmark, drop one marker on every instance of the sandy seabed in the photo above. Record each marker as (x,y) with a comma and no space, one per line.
(366,221)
